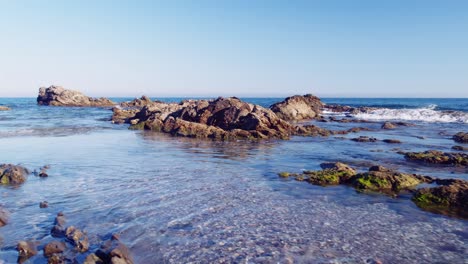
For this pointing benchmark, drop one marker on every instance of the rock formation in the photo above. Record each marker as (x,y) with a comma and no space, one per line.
(59,96)
(298,107)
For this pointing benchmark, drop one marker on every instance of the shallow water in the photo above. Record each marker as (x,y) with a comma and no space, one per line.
(178,200)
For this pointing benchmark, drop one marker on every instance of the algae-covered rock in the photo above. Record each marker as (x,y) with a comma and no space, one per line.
(381,179)
(461,137)
(451,199)
(327,177)
(12,174)
(438,157)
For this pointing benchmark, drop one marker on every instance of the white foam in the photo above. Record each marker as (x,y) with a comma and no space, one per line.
(426,114)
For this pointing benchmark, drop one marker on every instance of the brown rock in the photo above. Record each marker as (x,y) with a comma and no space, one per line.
(298,107)
(58,96)
(388,125)
(43,204)
(115,252)
(26,249)
(4,108)
(461,137)
(54,247)
(12,174)
(93,259)
(364,139)
(77,238)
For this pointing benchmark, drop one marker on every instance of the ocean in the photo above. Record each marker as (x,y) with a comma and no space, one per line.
(181,200)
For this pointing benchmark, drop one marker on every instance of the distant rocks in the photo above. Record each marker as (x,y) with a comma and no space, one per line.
(461,137)
(12,174)
(4,108)
(58,96)
(364,139)
(392,141)
(298,107)
(460,148)
(438,157)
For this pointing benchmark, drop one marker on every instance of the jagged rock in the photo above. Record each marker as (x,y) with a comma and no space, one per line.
(388,125)
(59,96)
(364,139)
(450,199)
(298,107)
(3,217)
(4,108)
(12,174)
(115,252)
(77,238)
(438,157)
(461,137)
(381,179)
(54,247)
(26,249)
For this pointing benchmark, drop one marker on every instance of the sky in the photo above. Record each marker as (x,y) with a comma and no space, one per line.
(256,48)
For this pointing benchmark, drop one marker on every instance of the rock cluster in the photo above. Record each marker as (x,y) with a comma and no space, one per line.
(12,174)
(59,96)
(298,107)
(438,157)
(450,197)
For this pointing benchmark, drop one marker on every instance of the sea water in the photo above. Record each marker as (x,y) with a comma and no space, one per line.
(180,200)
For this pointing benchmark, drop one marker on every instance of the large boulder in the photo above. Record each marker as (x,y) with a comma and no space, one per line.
(461,137)
(222,118)
(438,157)
(450,199)
(298,107)
(59,96)
(12,174)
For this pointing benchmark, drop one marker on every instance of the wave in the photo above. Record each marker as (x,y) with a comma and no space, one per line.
(50,131)
(425,114)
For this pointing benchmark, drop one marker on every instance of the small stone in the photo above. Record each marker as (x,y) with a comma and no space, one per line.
(43,204)
(54,247)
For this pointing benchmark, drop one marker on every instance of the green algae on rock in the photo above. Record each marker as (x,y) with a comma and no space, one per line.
(438,157)
(331,174)
(450,199)
(12,174)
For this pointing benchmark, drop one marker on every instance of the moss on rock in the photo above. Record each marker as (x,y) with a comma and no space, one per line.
(438,157)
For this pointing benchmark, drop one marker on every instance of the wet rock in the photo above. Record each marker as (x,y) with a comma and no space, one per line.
(364,139)
(331,174)
(121,116)
(4,108)
(59,226)
(115,252)
(460,148)
(93,259)
(381,179)
(4,215)
(338,108)
(56,259)
(298,107)
(451,199)
(438,157)
(461,137)
(223,118)
(338,166)
(54,248)
(138,102)
(388,125)
(12,174)
(58,96)
(43,204)
(392,141)
(77,238)
(311,130)
(26,249)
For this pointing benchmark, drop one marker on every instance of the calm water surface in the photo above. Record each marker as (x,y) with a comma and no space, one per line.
(178,200)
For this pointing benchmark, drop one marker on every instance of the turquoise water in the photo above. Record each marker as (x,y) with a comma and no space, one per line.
(177,200)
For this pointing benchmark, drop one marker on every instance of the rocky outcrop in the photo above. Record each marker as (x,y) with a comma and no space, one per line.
(59,96)
(438,157)
(12,174)
(449,199)
(461,137)
(4,108)
(298,107)
(222,118)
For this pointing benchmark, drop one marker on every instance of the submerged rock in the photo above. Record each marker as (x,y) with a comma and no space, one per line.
(461,137)
(381,179)
(438,157)
(450,199)
(392,141)
(331,174)
(4,108)
(388,125)
(54,248)
(26,249)
(3,217)
(461,148)
(298,107)
(77,238)
(59,96)
(12,174)
(113,251)
(364,139)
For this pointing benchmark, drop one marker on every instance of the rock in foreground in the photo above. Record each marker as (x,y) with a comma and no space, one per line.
(59,96)
(438,157)
(12,174)
(298,107)
(451,199)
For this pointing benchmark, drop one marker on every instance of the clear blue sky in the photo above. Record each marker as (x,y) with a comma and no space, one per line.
(346,48)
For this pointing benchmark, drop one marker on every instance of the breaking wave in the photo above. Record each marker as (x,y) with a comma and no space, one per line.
(425,114)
